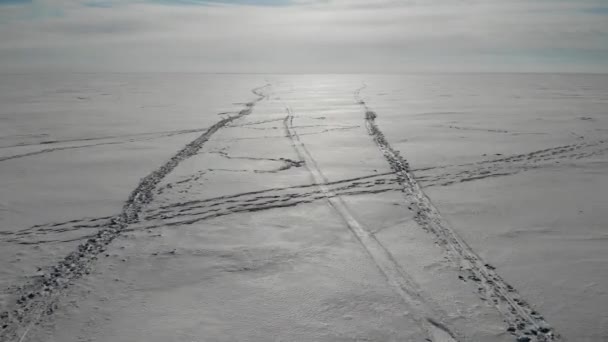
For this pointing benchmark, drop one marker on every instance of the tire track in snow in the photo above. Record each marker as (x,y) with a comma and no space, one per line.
(38,298)
(524,322)
(428,319)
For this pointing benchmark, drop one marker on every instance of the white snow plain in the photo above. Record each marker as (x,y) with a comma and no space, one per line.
(291,222)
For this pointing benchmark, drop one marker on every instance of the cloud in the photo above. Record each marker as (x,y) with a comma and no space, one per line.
(230,2)
(14,2)
(306,36)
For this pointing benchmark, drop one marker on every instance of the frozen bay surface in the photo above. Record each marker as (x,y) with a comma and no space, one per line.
(293,222)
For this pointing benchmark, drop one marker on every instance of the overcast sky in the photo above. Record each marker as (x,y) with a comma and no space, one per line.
(304,35)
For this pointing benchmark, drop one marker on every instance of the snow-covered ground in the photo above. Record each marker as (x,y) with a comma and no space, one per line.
(294,216)
(75,146)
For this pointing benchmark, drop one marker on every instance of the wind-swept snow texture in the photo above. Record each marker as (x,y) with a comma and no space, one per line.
(435,203)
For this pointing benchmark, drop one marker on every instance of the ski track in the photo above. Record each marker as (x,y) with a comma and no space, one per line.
(427,317)
(569,152)
(38,297)
(489,130)
(523,321)
(47,150)
(62,141)
(447,175)
(133,138)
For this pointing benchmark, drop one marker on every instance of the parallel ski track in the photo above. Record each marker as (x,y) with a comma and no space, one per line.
(523,321)
(427,317)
